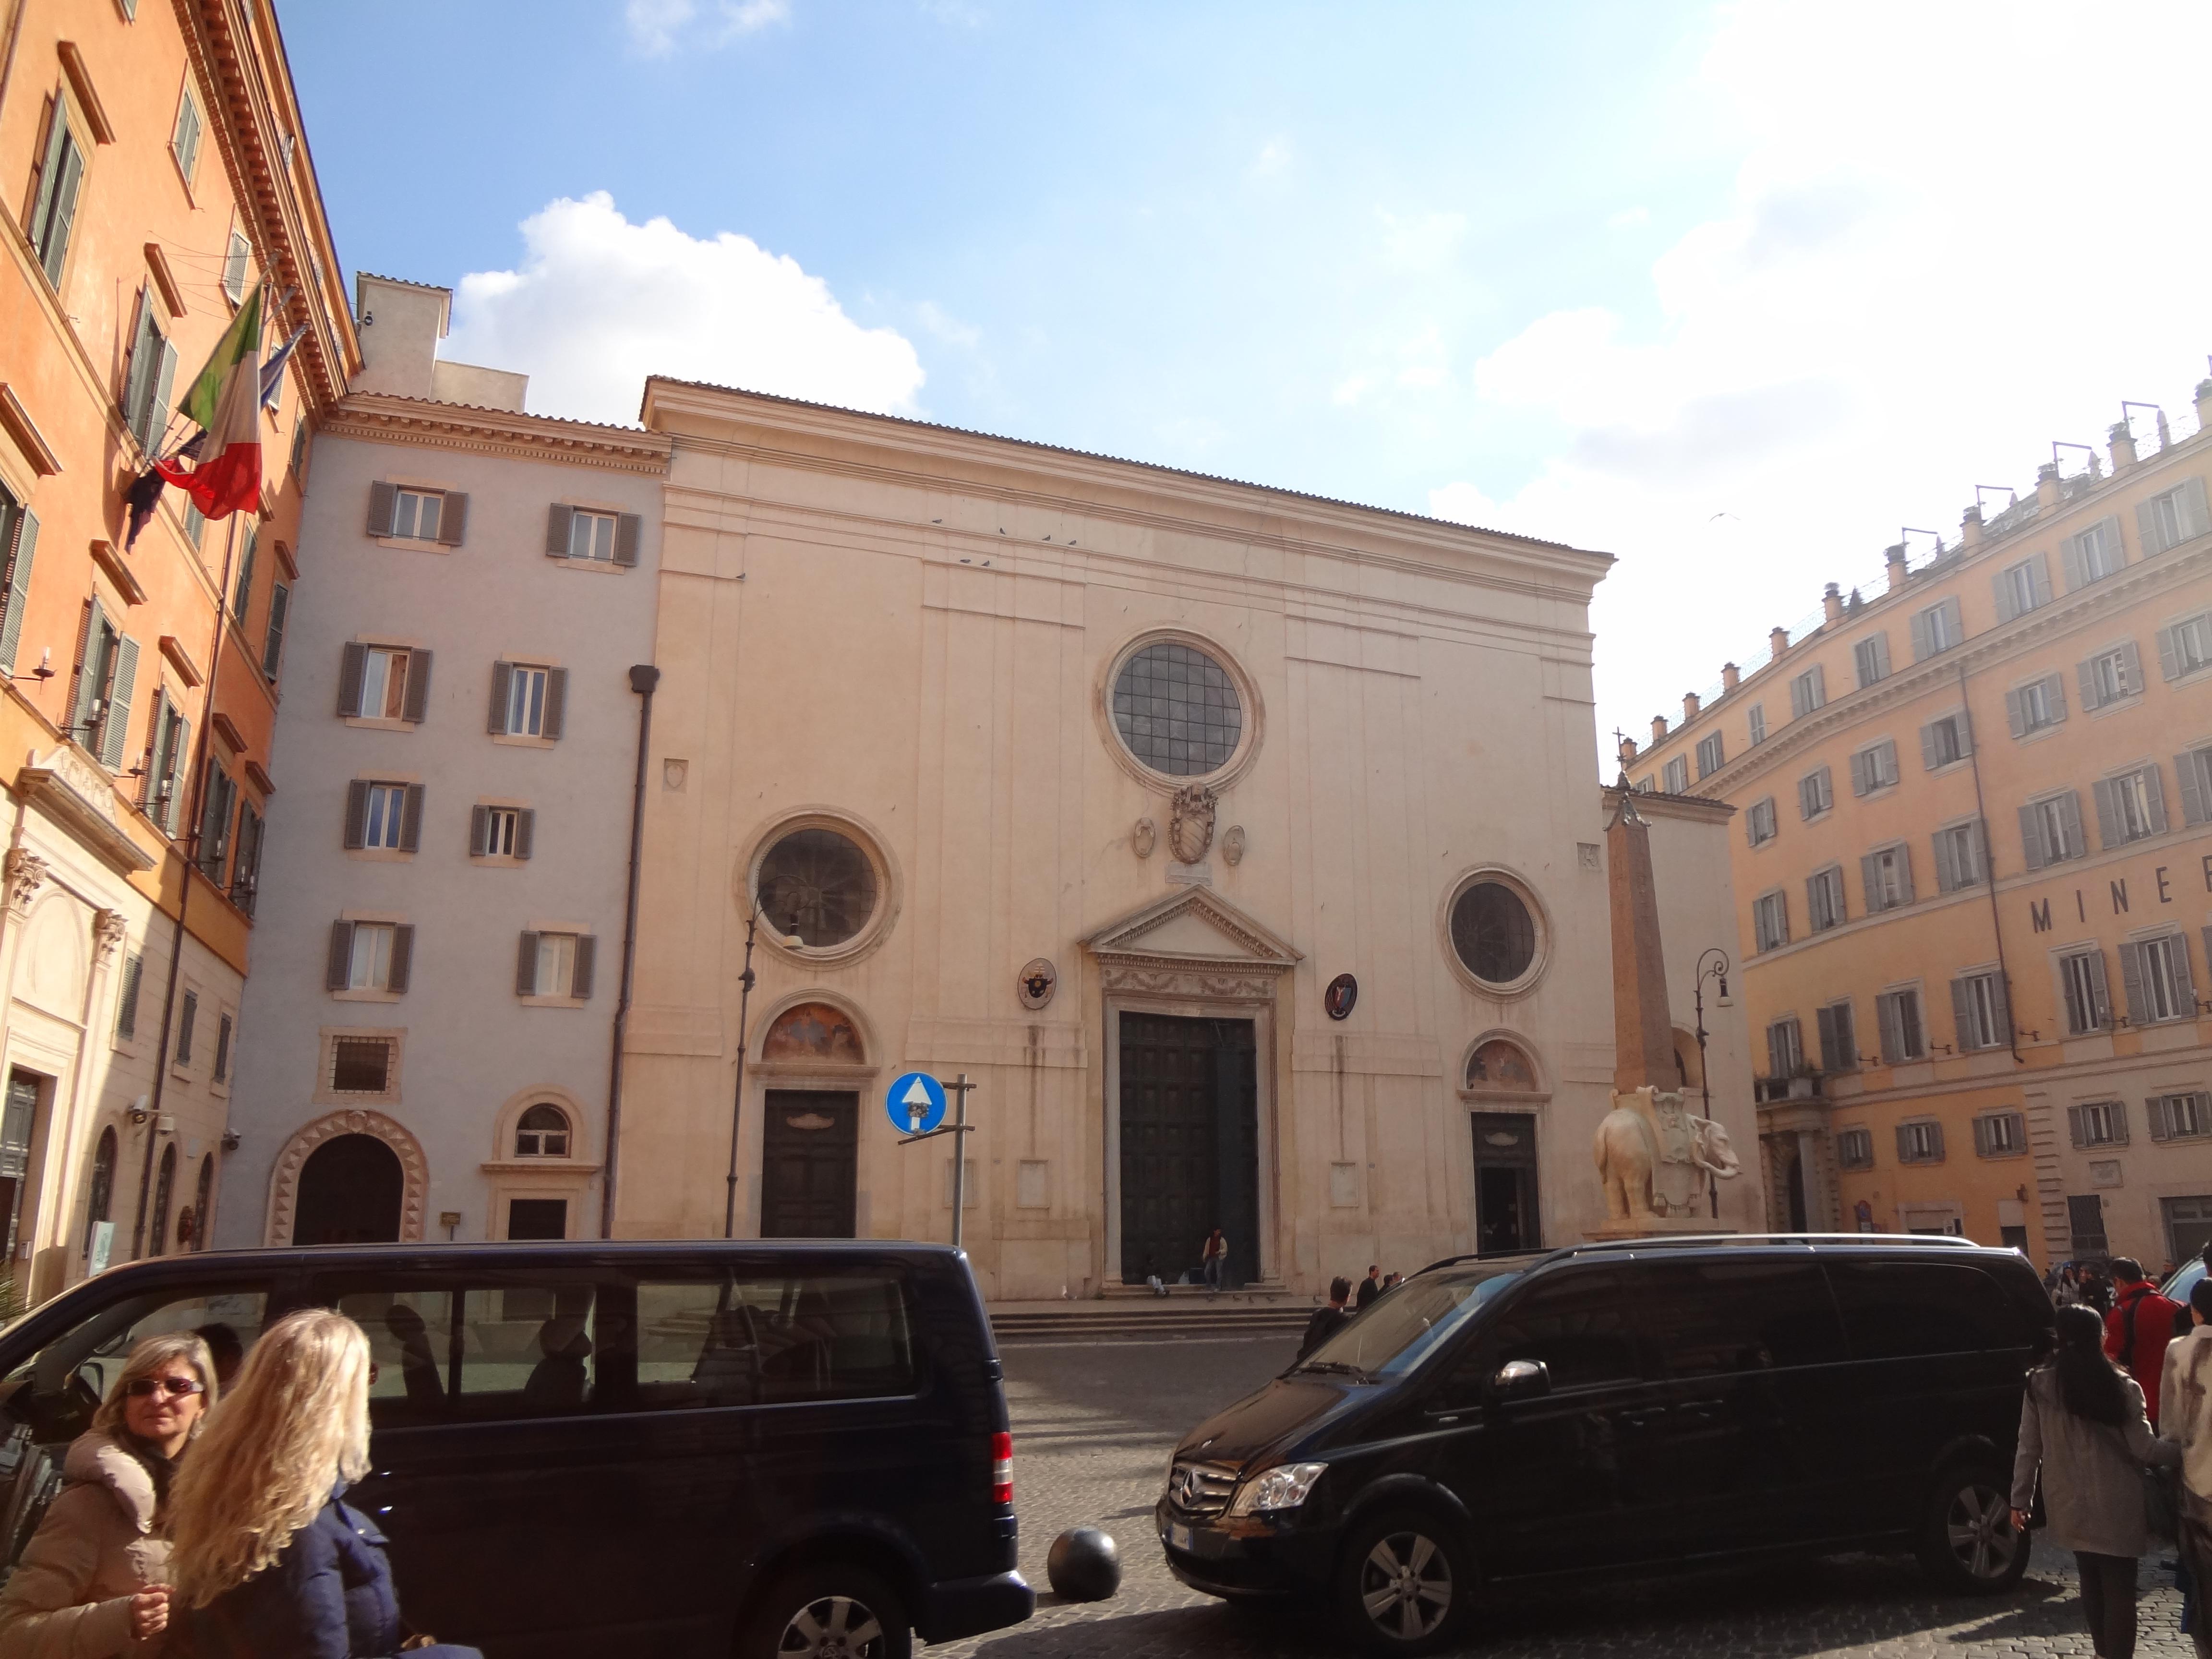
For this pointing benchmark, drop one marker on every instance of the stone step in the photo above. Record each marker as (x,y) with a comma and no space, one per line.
(1164,1320)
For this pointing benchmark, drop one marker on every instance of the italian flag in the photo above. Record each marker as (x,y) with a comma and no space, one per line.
(226,401)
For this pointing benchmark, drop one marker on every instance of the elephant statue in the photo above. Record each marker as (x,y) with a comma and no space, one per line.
(1654,1157)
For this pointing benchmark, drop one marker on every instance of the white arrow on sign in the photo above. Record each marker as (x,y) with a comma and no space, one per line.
(917,1103)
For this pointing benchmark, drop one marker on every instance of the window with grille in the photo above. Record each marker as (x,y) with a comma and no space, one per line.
(818,884)
(2082,977)
(362,1066)
(1759,821)
(1855,1149)
(1177,710)
(1770,920)
(542,1132)
(1675,776)
(1816,794)
(1824,898)
(1493,932)
(2099,1123)
(1709,756)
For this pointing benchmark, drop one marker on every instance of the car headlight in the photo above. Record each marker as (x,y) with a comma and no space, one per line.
(1283,1487)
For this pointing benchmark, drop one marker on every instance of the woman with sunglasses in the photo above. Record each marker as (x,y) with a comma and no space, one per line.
(90,1584)
(268,1560)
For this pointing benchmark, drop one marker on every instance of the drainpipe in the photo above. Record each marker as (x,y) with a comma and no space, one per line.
(643,679)
(191,840)
(1989,874)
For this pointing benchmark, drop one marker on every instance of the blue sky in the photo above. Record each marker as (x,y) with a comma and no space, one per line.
(1731,291)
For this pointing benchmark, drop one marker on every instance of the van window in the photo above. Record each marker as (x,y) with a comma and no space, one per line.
(1724,1318)
(520,1346)
(748,1337)
(1907,1309)
(1578,1324)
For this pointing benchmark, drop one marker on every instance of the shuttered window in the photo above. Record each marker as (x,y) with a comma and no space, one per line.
(1675,776)
(2022,588)
(218,800)
(405,513)
(2037,705)
(2092,555)
(1936,629)
(126,999)
(1755,723)
(1980,1013)
(2186,646)
(371,956)
(2051,830)
(1875,766)
(1904,1035)
(2098,1123)
(1946,741)
(2081,982)
(1839,1044)
(1770,921)
(1855,1149)
(1871,657)
(235,263)
(1816,792)
(383,816)
(272,643)
(188,1016)
(593,536)
(2110,675)
(1920,1142)
(1785,1048)
(527,701)
(1808,692)
(2180,1116)
(149,377)
(1824,898)
(502,832)
(1887,875)
(168,734)
(556,965)
(19,535)
(185,141)
(384,682)
(2177,516)
(2155,976)
(2194,767)
(1710,757)
(61,178)
(2000,1134)
(245,870)
(1958,857)
(1759,823)
(2130,807)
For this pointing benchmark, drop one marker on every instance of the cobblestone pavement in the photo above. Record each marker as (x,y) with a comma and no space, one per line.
(1094,1424)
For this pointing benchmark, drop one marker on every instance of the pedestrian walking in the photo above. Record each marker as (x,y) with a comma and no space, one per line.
(268,1558)
(1391,1281)
(1369,1287)
(1327,1321)
(2139,1328)
(91,1583)
(2084,1425)
(2186,1414)
(1213,1263)
(2068,1293)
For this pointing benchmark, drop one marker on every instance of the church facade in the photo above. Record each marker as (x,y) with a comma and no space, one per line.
(1240,847)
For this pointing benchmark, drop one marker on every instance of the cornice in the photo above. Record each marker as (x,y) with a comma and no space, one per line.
(2027,632)
(381,418)
(916,455)
(1653,803)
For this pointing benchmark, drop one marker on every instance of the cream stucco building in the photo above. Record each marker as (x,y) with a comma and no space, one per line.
(1092,780)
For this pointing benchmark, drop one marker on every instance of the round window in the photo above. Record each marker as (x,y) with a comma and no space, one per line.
(1492,932)
(1177,709)
(819,884)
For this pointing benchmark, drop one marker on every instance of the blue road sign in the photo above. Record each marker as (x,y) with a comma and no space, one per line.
(915,1103)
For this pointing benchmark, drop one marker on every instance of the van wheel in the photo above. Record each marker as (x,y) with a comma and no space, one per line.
(1967,1542)
(1405,1582)
(833,1611)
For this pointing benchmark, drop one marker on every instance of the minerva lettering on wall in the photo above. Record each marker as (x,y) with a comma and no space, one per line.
(2038,911)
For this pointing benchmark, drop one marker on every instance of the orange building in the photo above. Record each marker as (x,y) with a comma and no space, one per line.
(1973,874)
(153,169)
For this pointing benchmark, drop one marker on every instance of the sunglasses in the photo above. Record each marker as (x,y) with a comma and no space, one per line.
(181,1387)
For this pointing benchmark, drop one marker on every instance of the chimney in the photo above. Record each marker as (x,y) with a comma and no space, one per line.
(1777,641)
(2046,484)
(1970,527)
(1658,728)
(1690,707)
(1731,677)
(1831,604)
(1894,558)
(2123,446)
(1628,752)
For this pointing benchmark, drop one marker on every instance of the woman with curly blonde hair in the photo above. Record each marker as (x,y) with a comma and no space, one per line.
(266,1559)
(89,1585)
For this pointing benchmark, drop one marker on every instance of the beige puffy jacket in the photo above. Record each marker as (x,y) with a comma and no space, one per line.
(70,1596)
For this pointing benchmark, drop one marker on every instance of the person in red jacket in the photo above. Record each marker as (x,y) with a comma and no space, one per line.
(2139,1326)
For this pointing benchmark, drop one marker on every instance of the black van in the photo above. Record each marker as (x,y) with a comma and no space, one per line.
(1619,1408)
(677,1449)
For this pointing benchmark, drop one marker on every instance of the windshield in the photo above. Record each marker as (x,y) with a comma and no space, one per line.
(2182,1283)
(1407,1324)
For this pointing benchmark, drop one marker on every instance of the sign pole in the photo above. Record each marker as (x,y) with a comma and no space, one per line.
(959,1150)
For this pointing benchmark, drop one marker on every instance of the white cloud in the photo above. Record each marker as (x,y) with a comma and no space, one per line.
(1953,236)
(598,303)
(656,25)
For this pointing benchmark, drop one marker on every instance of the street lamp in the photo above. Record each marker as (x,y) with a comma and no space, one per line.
(791,941)
(1713,965)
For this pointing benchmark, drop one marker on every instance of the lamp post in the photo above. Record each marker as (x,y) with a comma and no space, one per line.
(1713,965)
(738,1095)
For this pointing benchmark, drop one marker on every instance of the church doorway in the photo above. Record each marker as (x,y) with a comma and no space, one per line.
(1189,1144)
(810,1164)
(1506,1217)
(350,1191)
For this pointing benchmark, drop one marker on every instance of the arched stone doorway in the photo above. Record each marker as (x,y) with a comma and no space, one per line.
(327,1209)
(351,1189)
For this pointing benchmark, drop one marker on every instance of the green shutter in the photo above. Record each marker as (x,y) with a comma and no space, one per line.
(115,718)
(19,588)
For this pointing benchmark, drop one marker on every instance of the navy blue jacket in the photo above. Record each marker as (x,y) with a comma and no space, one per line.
(329,1595)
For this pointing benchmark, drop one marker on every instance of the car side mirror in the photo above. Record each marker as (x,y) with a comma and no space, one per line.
(1521,1379)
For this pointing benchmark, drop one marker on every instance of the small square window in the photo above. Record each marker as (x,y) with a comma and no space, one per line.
(360,1065)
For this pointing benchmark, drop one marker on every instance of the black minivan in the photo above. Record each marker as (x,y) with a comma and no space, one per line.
(1622,1407)
(694,1447)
